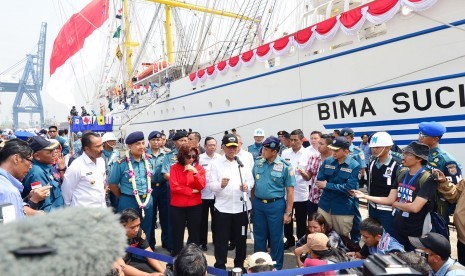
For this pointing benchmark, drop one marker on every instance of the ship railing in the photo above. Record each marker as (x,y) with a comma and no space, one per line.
(330,9)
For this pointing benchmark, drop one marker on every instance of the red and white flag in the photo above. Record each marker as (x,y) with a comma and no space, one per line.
(76,53)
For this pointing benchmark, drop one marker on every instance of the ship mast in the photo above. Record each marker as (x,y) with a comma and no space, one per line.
(176,4)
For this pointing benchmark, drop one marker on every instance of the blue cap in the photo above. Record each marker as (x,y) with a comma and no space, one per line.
(347,131)
(154,134)
(135,137)
(271,143)
(433,129)
(338,143)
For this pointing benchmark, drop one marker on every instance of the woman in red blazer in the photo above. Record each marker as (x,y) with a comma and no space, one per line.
(187,179)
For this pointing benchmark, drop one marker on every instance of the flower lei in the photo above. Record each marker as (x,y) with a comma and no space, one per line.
(132,179)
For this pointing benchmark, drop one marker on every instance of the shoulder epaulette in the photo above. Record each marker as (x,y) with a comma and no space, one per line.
(122,159)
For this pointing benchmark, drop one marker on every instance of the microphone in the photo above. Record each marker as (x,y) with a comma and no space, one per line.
(69,241)
(239,162)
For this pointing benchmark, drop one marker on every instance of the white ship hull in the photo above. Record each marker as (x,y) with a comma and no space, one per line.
(414,72)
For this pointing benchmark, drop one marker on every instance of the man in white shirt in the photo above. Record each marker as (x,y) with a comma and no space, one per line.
(84,182)
(208,197)
(231,204)
(245,156)
(298,156)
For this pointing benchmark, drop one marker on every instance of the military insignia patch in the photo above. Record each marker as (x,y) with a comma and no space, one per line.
(436,159)
(452,169)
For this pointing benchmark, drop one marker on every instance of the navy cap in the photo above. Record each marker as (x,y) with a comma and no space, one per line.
(180,134)
(434,242)
(230,140)
(37,143)
(418,149)
(347,131)
(154,134)
(338,143)
(433,129)
(271,143)
(135,137)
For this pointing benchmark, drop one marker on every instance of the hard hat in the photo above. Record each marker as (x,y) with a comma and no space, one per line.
(381,139)
(109,136)
(259,132)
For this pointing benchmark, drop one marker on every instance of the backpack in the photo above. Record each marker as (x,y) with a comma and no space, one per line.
(438,224)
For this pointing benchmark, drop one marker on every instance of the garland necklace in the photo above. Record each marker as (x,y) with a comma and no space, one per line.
(132,179)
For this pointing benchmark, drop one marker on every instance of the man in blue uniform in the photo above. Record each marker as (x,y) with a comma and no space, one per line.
(430,134)
(53,133)
(41,174)
(169,159)
(179,138)
(132,186)
(359,156)
(110,155)
(160,188)
(256,148)
(274,179)
(338,175)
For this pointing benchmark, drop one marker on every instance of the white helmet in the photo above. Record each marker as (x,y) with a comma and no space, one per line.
(259,132)
(381,139)
(109,136)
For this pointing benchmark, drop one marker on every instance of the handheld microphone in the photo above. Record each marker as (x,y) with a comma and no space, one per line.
(239,162)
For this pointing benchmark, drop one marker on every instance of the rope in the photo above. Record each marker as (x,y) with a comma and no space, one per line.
(285,272)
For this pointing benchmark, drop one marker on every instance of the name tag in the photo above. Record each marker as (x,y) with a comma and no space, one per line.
(89,173)
(204,165)
(330,167)
(346,170)
(278,167)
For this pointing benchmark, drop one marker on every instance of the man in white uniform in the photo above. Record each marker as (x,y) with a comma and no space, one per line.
(84,182)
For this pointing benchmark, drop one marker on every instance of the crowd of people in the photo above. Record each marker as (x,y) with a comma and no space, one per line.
(168,183)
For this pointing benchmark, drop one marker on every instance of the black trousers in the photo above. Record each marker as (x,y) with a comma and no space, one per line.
(179,216)
(461,252)
(225,224)
(300,211)
(207,205)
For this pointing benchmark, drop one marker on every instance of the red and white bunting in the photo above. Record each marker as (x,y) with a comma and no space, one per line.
(418,5)
(350,23)
(282,46)
(248,58)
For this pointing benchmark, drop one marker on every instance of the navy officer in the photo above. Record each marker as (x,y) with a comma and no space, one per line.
(130,180)
(337,176)
(274,179)
(41,174)
(430,134)
(160,188)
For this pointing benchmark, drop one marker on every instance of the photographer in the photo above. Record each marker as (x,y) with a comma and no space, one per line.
(230,185)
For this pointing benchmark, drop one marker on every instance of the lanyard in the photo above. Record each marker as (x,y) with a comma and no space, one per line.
(409,183)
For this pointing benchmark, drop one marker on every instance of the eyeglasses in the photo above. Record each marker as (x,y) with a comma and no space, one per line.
(27,159)
(422,135)
(407,154)
(191,156)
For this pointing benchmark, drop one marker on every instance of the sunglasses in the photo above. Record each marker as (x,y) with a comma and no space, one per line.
(191,156)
